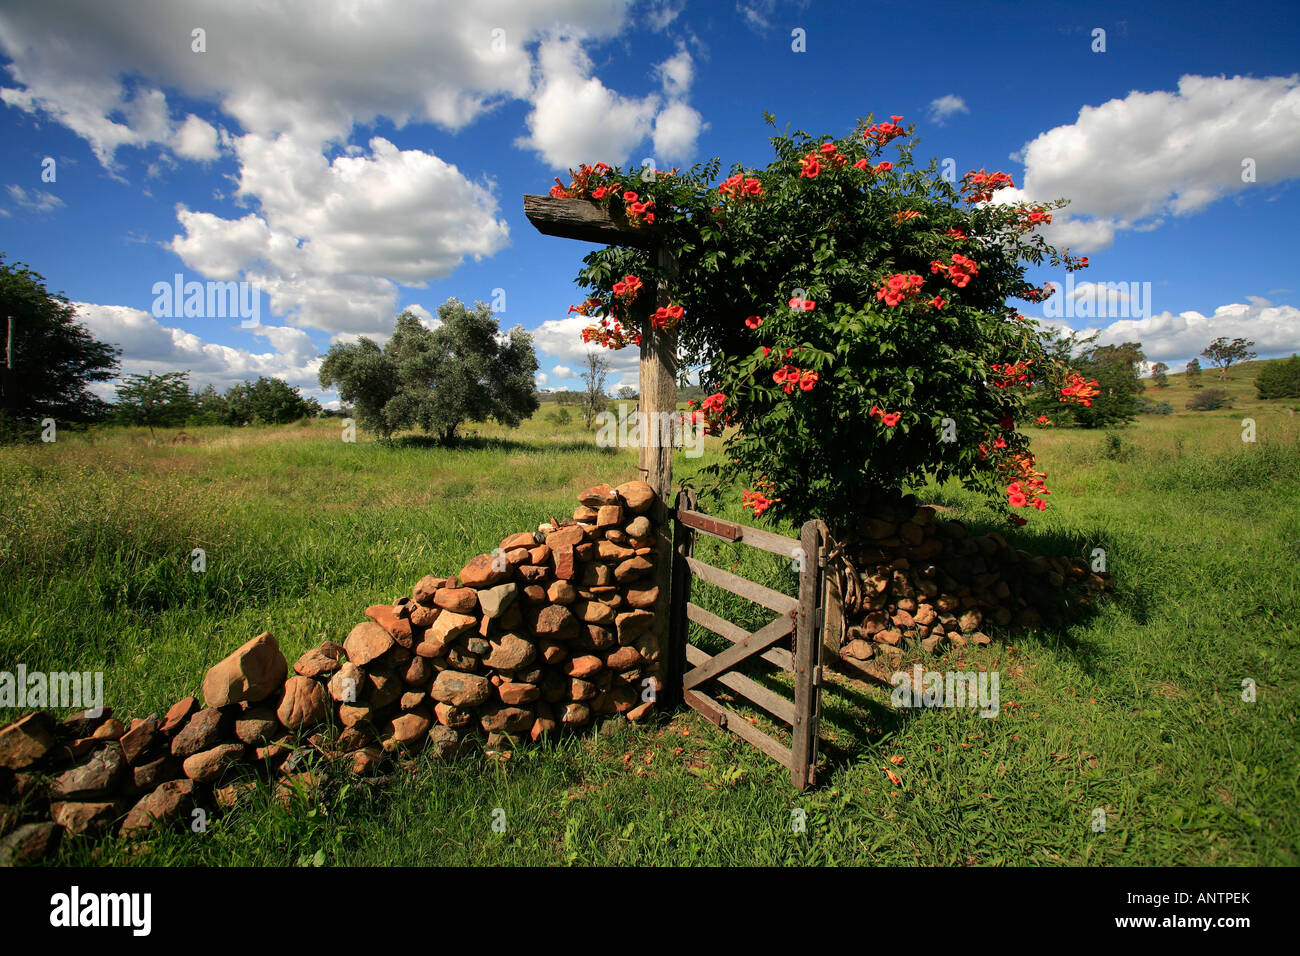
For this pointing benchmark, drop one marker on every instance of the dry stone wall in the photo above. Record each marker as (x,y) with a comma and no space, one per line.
(926,581)
(554,630)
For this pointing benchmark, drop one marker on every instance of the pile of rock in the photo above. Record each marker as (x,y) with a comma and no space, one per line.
(928,582)
(555,629)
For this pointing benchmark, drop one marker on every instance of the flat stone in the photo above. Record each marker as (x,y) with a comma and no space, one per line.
(26,740)
(98,775)
(178,713)
(29,843)
(449,626)
(639,527)
(398,628)
(316,663)
(255,670)
(483,572)
(78,818)
(495,601)
(257,726)
(632,624)
(556,622)
(207,765)
(598,495)
(348,685)
(460,600)
(139,737)
(637,495)
(303,705)
(366,642)
(460,689)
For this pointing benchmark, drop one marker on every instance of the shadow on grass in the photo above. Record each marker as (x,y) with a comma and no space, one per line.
(480,443)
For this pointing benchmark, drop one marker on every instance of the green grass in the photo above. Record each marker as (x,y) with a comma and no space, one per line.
(1137,710)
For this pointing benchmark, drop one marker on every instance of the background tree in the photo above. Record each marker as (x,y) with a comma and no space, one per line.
(1116,369)
(53,359)
(1280,379)
(1209,400)
(465,370)
(1194,373)
(626,392)
(155,400)
(209,407)
(1160,375)
(267,401)
(594,400)
(1224,354)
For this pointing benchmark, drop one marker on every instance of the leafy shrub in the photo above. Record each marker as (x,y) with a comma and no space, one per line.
(1148,407)
(1279,379)
(1209,400)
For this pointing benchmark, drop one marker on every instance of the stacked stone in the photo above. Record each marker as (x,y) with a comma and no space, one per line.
(554,630)
(928,581)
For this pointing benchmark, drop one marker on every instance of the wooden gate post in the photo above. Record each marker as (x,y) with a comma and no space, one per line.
(683,548)
(807,659)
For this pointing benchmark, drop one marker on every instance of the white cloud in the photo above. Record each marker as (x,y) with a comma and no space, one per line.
(1176,337)
(196,139)
(946,106)
(539,379)
(677,128)
(149,346)
(562,340)
(576,118)
(334,227)
(676,74)
(1130,162)
(37,200)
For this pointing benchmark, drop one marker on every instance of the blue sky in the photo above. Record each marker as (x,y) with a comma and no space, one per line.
(354,159)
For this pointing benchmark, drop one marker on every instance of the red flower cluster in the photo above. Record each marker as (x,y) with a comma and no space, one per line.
(1046,291)
(739,186)
(611,334)
(714,402)
(586,307)
(1077,390)
(802,305)
(980,186)
(628,287)
(899,287)
(882,133)
(639,212)
(832,155)
(1030,218)
(1027,490)
(888,418)
(753,322)
(789,378)
(758,501)
(1073,265)
(580,186)
(1009,374)
(960,272)
(906,215)
(667,317)
(810,166)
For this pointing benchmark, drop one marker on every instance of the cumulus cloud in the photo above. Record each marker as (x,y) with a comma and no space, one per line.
(1174,338)
(945,106)
(149,346)
(1130,162)
(562,339)
(539,379)
(336,226)
(576,118)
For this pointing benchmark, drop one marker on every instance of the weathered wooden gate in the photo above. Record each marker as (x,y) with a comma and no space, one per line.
(691,668)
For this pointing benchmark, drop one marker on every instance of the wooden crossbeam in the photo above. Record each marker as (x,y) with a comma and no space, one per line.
(757,642)
(769,700)
(772,600)
(585,220)
(730,531)
(728,718)
(735,633)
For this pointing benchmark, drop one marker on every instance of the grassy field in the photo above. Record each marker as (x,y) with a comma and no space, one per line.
(1137,710)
